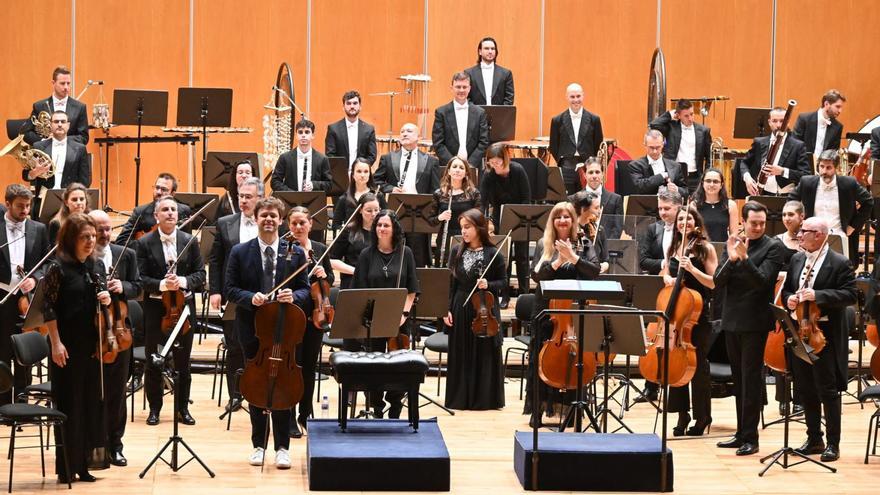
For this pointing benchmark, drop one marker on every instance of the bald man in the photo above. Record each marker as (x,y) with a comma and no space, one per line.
(410,171)
(125,285)
(832,287)
(575,135)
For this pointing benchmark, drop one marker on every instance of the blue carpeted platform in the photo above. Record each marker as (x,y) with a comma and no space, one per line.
(592,461)
(377,455)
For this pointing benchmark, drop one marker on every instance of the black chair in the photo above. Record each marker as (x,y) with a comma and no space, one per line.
(27,350)
(13,126)
(872,393)
(623,183)
(439,343)
(18,415)
(525,305)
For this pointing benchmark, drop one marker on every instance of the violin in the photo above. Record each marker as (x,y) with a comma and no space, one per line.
(807,314)
(682,307)
(774,349)
(323,312)
(272,379)
(107,349)
(484,323)
(862,170)
(24,304)
(173,301)
(24,276)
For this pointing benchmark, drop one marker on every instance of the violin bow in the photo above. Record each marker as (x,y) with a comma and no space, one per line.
(124,246)
(188,244)
(598,221)
(486,269)
(28,274)
(196,214)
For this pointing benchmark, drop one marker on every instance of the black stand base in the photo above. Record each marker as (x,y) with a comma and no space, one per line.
(434,402)
(780,457)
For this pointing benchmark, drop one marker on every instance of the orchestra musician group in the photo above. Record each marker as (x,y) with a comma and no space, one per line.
(266,253)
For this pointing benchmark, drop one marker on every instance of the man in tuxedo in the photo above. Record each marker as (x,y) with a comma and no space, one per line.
(304,168)
(351,137)
(744,281)
(25,242)
(410,171)
(489,78)
(787,168)
(125,286)
(156,253)
(255,267)
(832,287)
(460,128)
(839,199)
(654,170)
(60,101)
(143,215)
(820,130)
(71,161)
(575,135)
(686,141)
(231,231)
(612,203)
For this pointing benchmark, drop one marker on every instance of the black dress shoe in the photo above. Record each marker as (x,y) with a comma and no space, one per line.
(234,405)
(797,409)
(117,459)
(186,418)
(295,432)
(88,478)
(831,454)
(733,443)
(303,424)
(153,418)
(505,302)
(811,447)
(747,448)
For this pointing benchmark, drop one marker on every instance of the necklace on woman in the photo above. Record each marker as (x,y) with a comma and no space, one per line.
(386,265)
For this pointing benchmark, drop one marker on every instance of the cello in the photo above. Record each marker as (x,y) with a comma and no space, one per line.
(774,349)
(874,339)
(402,340)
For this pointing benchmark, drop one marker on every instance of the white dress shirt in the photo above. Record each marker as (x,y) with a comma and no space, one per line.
(597,191)
(106,256)
(658,167)
(169,249)
(59,105)
(828,204)
(815,260)
(771,186)
(247,228)
(488,71)
(59,156)
(576,126)
(14,230)
(687,148)
(300,162)
(461,123)
(409,181)
(667,241)
(351,128)
(822,124)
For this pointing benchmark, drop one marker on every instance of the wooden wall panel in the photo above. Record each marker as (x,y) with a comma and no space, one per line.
(823,45)
(452,46)
(607,49)
(29,57)
(718,47)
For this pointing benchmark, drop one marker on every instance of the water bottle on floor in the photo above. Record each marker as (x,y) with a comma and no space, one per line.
(325,406)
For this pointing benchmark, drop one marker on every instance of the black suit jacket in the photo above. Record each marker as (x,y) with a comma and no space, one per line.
(805,130)
(651,253)
(848,191)
(244,278)
(502,86)
(127,271)
(427,174)
(76,115)
(77,166)
(562,136)
(612,213)
(794,158)
(36,245)
(284,176)
(152,267)
(445,134)
(147,221)
(875,144)
(336,142)
(671,130)
(225,238)
(746,286)
(835,288)
(647,182)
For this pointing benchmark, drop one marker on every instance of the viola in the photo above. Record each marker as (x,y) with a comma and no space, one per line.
(558,359)
(323,312)
(272,379)
(774,349)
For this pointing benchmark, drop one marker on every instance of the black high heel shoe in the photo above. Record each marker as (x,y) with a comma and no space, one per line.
(683,420)
(85,476)
(699,427)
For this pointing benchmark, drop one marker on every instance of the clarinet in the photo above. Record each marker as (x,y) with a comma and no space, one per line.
(445,233)
(403,173)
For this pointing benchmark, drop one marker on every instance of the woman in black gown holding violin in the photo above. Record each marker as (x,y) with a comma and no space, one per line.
(699,269)
(72,295)
(475,374)
(559,255)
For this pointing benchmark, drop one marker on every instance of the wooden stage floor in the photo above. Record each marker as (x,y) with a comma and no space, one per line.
(480,444)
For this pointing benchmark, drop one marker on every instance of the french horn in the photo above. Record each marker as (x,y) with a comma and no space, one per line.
(30,158)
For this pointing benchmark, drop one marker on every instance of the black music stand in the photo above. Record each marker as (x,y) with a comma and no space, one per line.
(314,201)
(874,188)
(219,165)
(413,213)
(54,198)
(774,206)
(502,122)
(197,201)
(794,346)
(537,172)
(750,122)
(643,205)
(555,186)
(432,301)
(623,256)
(193,105)
(864,287)
(139,107)
(339,174)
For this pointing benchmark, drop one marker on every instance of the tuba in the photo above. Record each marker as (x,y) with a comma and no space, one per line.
(30,158)
(42,124)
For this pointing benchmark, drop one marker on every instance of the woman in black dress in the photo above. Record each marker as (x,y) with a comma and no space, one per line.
(792,218)
(455,195)
(360,182)
(354,239)
(588,206)
(699,269)
(74,200)
(71,299)
(506,182)
(558,256)
(475,372)
(387,264)
(244,170)
(719,212)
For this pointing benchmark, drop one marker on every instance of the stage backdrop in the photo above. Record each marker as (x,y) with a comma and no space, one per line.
(712,47)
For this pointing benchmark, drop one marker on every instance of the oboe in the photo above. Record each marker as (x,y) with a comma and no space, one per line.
(445,232)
